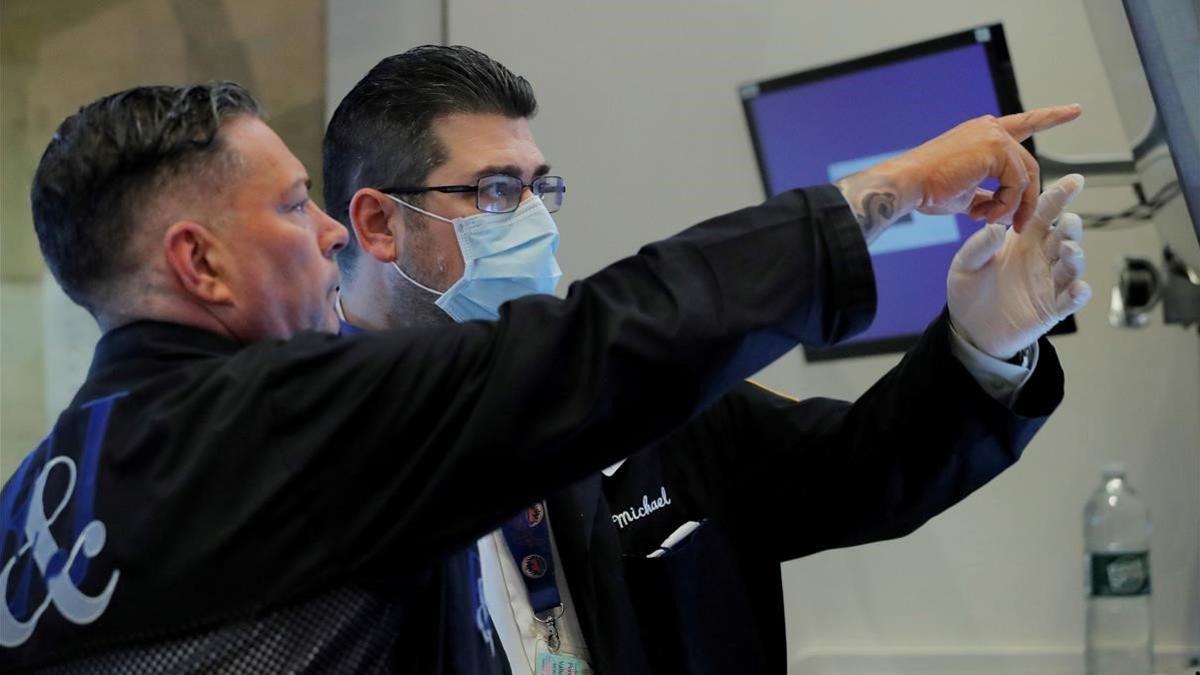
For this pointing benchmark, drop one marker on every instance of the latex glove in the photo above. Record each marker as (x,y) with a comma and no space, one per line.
(1005,290)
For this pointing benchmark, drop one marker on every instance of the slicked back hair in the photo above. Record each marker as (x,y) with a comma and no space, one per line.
(381,134)
(108,161)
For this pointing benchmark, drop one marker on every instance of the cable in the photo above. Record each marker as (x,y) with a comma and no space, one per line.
(1141,212)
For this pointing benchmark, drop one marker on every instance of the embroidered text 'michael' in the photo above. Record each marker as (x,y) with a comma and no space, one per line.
(638,512)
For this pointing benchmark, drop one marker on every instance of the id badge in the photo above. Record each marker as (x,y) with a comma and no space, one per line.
(562,662)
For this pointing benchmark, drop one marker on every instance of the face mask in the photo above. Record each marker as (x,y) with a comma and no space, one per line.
(507,256)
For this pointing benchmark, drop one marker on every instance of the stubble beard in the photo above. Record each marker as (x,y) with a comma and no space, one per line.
(412,306)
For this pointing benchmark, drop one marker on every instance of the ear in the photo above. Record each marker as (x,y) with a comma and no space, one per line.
(195,257)
(371,217)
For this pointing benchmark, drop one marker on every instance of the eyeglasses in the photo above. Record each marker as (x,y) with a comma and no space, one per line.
(501,193)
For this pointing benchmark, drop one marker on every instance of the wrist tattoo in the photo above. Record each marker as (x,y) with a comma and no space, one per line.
(874,200)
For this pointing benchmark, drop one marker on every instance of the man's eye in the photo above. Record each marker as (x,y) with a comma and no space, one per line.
(299,207)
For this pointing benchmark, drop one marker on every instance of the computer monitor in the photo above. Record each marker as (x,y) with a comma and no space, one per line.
(1151,54)
(820,125)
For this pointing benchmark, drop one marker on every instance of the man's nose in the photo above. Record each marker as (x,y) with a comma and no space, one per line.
(333,236)
(526,193)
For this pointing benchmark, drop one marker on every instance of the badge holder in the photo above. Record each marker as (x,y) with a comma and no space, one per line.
(528,537)
(549,657)
(550,622)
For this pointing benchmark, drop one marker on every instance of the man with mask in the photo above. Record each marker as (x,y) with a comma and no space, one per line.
(668,561)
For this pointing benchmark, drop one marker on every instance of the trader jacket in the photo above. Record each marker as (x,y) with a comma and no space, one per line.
(771,479)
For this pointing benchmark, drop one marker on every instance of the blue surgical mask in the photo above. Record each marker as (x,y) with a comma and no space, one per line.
(507,256)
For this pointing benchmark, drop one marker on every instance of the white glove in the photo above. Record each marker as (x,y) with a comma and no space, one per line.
(1005,290)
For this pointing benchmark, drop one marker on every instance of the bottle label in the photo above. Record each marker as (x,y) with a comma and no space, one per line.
(1120,574)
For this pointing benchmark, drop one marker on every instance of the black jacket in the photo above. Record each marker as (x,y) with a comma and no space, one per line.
(310,504)
(773,479)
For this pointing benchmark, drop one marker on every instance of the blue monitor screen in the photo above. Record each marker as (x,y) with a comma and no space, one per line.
(819,126)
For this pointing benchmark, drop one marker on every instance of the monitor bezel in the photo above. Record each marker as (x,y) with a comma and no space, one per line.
(1171,110)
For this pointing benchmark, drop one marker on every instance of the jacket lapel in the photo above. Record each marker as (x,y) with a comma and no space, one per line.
(590,557)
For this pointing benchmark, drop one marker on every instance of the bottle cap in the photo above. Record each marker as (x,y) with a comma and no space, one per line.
(1112,470)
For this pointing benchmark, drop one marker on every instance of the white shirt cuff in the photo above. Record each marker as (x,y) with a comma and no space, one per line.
(1000,379)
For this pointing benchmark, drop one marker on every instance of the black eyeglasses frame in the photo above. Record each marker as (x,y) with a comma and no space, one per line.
(458,189)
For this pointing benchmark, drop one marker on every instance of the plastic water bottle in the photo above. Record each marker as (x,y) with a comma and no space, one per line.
(1116,527)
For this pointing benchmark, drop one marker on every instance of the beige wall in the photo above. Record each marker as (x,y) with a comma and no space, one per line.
(56,55)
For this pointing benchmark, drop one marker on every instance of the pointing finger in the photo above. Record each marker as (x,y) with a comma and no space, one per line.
(1023,125)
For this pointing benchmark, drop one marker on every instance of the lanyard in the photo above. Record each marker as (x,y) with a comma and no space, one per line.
(528,536)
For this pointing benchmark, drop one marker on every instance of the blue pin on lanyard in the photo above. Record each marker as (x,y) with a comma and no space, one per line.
(528,537)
